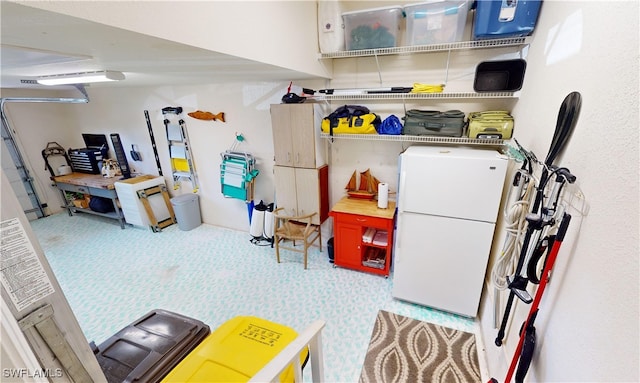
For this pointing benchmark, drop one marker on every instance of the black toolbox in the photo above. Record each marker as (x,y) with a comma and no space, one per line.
(150,347)
(87,160)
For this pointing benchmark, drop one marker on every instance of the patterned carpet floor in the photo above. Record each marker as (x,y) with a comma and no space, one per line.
(112,276)
(405,350)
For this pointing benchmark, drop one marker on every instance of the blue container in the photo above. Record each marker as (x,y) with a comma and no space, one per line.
(505,18)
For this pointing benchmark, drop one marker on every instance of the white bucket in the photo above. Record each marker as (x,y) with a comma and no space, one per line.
(257,223)
(268,225)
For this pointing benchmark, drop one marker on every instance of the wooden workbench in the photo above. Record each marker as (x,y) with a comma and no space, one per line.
(92,185)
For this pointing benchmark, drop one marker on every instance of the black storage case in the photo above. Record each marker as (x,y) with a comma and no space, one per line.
(150,347)
(87,160)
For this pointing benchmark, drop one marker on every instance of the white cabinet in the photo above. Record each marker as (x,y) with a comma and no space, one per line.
(302,191)
(134,211)
(296,135)
(300,172)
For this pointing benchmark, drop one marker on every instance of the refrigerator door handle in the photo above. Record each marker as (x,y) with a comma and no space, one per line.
(401,182)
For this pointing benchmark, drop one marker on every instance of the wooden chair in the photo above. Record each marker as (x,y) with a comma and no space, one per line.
(295,228)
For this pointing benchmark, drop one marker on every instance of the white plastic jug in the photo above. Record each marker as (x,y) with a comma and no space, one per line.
(257,223)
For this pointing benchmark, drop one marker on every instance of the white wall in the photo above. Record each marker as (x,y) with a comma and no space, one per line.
(237,28)
(588,323)
(33,125)
(588,320)
(118,110)
(45,291)
(246,108)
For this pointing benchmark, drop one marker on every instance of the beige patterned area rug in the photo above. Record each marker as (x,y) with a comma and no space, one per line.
(407,350)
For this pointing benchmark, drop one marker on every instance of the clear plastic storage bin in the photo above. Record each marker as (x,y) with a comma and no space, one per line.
(436,22)
(372,28)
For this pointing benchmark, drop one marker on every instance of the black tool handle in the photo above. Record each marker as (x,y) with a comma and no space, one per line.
(565,124)
(153,142)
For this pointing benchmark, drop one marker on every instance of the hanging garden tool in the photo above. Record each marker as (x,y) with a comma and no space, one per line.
(516,208)
(153,142)
(524,351)
(542,217)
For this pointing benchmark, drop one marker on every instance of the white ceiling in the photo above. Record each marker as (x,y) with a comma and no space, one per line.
(37,43)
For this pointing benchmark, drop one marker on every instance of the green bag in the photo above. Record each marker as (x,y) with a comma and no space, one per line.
(433,123)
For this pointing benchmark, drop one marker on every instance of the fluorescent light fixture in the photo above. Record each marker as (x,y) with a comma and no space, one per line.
(81,78)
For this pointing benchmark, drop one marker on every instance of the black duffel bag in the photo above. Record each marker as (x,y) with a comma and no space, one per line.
(101,204)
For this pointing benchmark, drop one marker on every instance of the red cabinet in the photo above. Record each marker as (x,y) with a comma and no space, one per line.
(347,244)
(363,235)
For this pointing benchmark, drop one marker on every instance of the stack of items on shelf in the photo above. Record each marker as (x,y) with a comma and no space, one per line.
(438,26)
(437,22)
(357,119)
(373,256)
(367,237)
(380,239)
(452,123)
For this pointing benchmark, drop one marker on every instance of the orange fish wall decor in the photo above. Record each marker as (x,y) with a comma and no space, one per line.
(207,116)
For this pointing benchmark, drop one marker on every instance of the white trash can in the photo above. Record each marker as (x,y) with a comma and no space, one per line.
(187,210)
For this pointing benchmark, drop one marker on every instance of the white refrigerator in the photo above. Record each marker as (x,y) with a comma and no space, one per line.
(448,203)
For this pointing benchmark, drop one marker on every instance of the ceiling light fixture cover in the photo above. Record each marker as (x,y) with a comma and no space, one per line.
(81,78)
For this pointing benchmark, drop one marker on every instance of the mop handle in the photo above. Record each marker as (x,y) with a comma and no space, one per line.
(547,213)
(536,224)
(562,230)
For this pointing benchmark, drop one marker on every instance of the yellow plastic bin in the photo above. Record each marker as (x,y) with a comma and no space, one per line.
(235,352)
